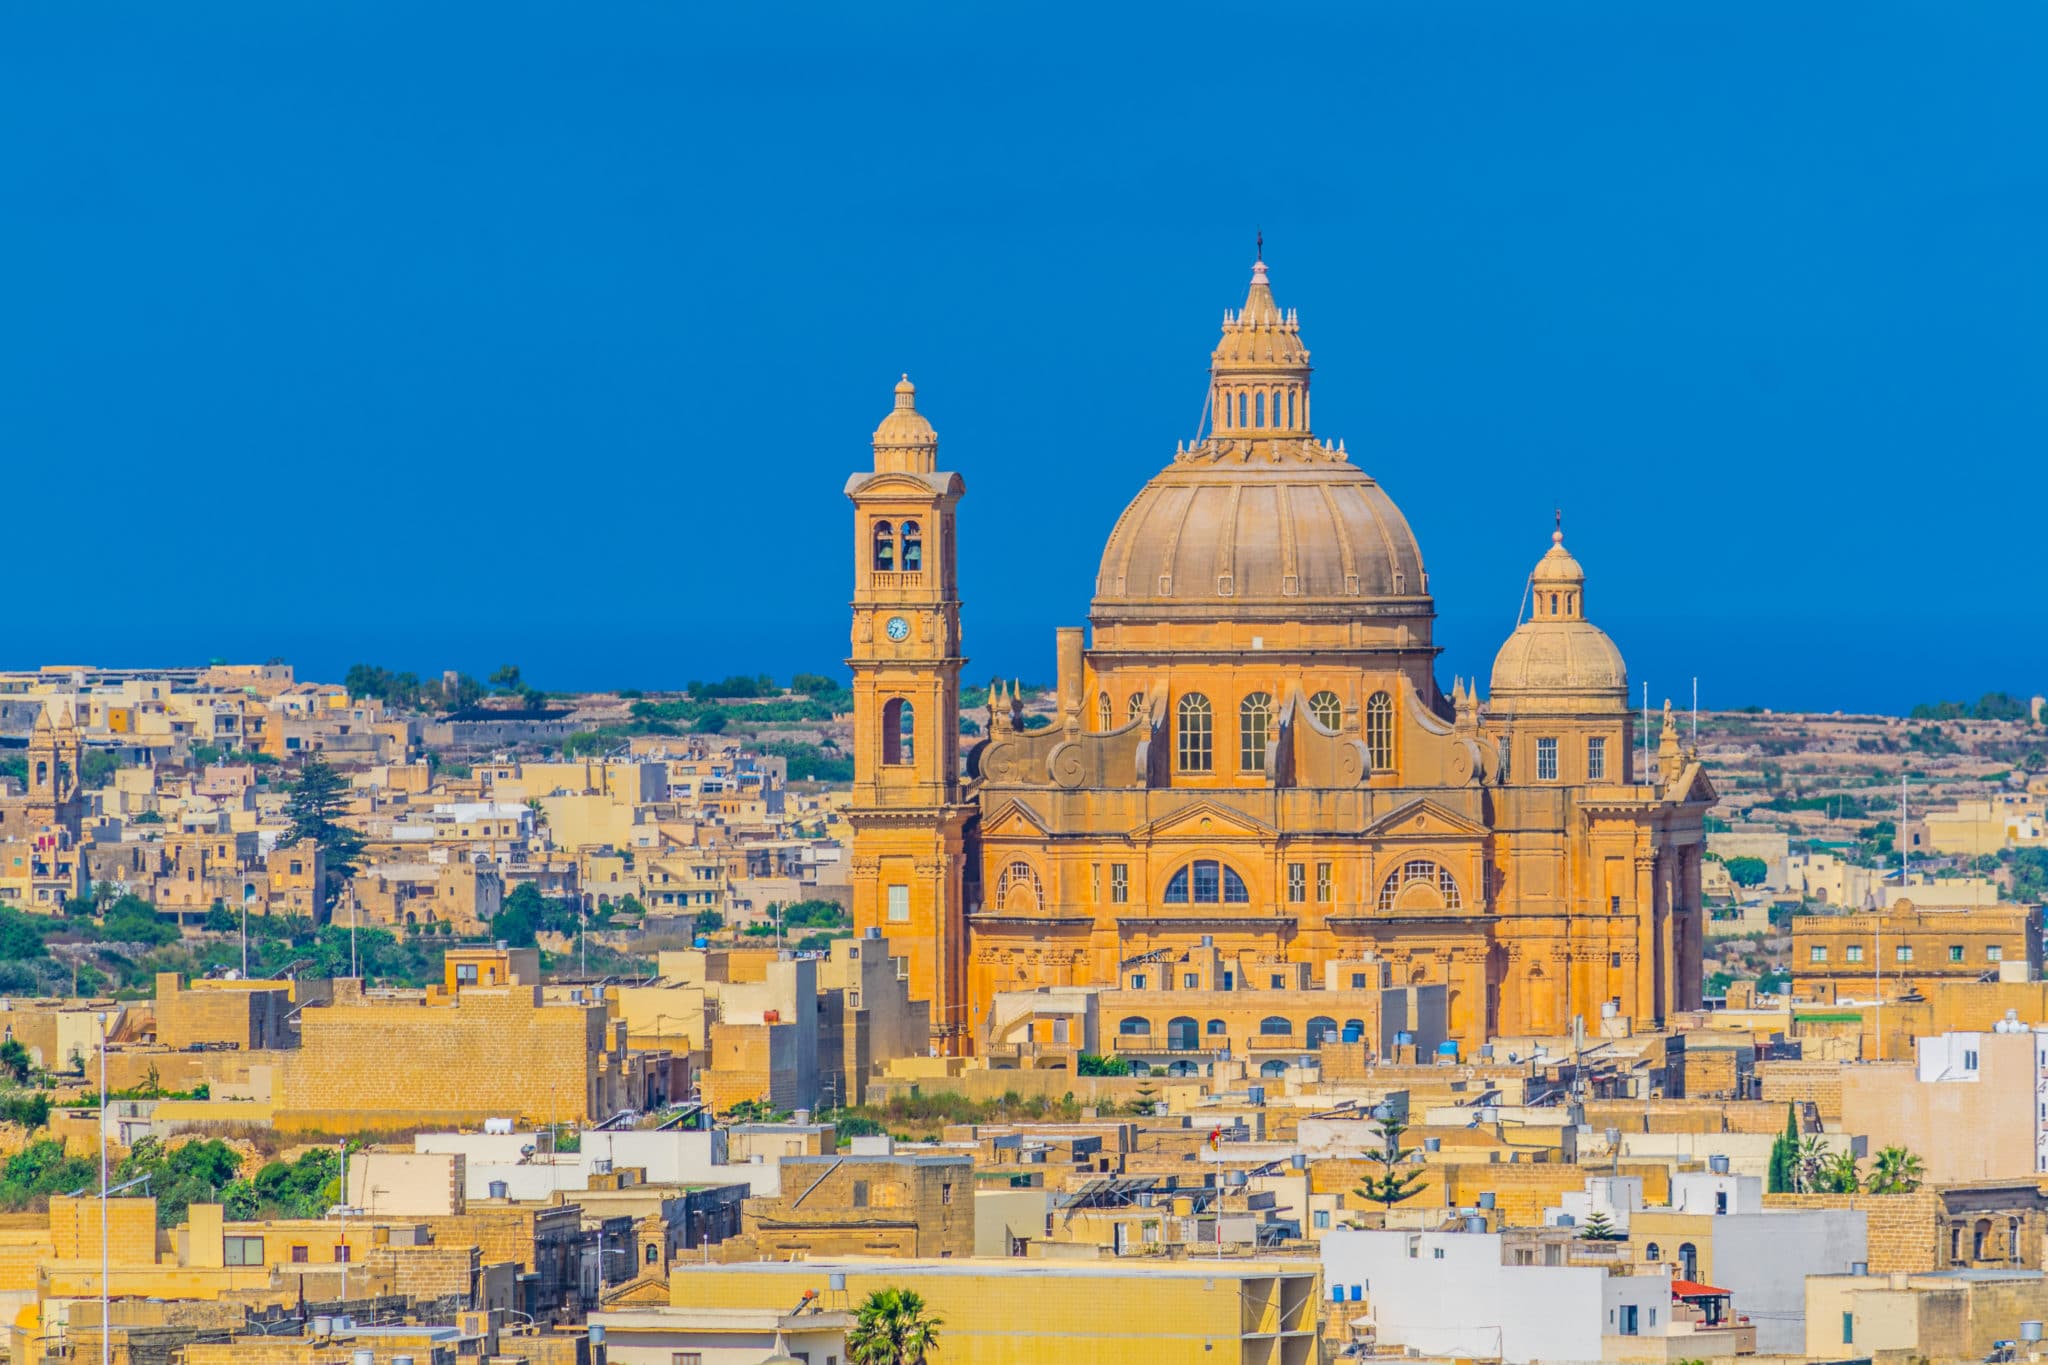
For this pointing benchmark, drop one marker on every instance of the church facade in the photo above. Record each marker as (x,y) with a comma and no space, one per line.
(1250,754)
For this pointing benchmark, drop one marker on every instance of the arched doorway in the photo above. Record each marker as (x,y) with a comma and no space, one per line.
(1183,1034)
(1321,1029)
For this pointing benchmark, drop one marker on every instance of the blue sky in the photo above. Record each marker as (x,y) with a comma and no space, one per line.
(449,335)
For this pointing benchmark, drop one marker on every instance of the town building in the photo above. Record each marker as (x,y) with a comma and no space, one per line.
(1902,948)
(1971,1106)
(995,1312)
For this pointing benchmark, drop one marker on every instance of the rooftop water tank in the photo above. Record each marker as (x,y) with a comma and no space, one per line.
(1718,1164)
(2030,1330)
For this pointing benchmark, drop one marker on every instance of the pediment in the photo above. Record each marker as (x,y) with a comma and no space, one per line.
(904,483)
(1204,820)
(649,1290)
(1694,786)
(1423,818)
(1015,819)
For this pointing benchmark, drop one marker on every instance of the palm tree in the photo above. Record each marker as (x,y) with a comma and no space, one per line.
(1897,1171)
(1808,1172)
(892,1327)
(1838,1173)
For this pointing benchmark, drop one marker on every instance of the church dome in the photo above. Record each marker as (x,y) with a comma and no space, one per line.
(1557,654)
(1260,520)
(1298,533)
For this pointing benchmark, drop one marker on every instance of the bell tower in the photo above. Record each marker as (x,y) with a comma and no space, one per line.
(909,823)
(54,752)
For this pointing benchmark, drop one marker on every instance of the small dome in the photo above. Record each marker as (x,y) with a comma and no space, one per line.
(1558,657)
(905,440)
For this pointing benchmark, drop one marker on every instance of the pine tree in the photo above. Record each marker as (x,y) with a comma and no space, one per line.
(1391,1185)
(1598,1228)
(314,808)
(1784,1168)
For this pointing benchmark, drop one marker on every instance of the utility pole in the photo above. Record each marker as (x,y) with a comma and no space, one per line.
(106,1337)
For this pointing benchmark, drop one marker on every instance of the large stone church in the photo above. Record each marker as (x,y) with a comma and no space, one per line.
(1251,752)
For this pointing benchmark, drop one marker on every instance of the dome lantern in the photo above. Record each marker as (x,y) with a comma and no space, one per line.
(1258,386)
(1558,585)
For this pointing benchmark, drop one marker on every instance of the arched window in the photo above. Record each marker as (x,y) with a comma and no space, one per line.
(899,732)
(1243,410)
(1254,729)
(1379,731)
(1653,1252)
(1207,882)
(1420,872)
(885,547)
(42,771)
(1321,1029)
(1104,713)
(1290,409)
(1135,707)
(913,547)
(1019,888)
(1553,604)
(1273,1026)
(1258,409)
(1197,753)
(1688,1261)
(1216,1028)
(1133,1026)
(1328,709)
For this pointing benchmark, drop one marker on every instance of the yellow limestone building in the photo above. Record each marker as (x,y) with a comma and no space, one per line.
(1252,749)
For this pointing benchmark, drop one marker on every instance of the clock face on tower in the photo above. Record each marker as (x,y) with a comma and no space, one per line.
(898,628)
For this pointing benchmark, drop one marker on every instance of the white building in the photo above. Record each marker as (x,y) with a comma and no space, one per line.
(516,1165)
(1613,1197)
(1449,1294)
(1716,1231)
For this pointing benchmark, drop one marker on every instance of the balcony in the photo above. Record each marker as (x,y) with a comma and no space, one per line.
(888,582)
(1150,1045)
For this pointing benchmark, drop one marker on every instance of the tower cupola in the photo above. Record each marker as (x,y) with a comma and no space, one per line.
(905,442)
